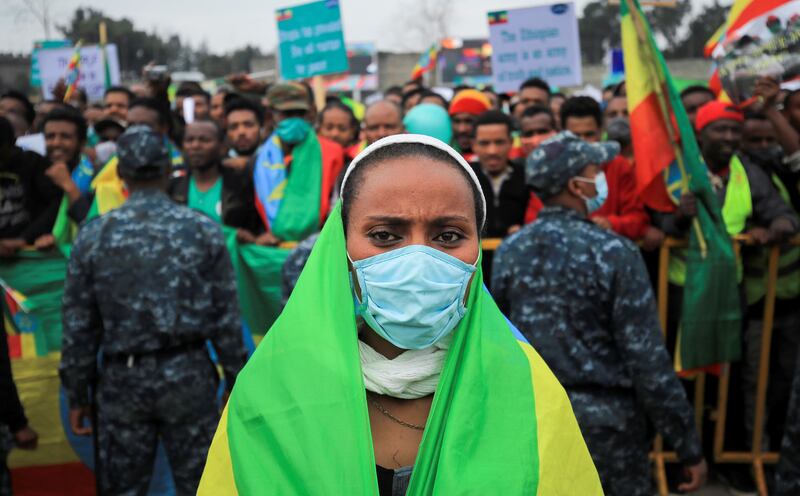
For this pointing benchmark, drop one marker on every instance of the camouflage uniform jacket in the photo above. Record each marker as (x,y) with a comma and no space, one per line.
(581,296)
(148,276)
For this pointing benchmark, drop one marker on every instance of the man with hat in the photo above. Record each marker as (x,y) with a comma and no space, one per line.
(148,285)
(749,200)
(582,294)
(465,107)
(295,170)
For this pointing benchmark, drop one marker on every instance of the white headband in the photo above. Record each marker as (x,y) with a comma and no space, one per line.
(424,140)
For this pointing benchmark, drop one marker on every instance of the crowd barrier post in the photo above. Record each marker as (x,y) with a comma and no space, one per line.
(756,456)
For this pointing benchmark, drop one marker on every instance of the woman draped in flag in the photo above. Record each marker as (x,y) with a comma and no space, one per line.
(391,370)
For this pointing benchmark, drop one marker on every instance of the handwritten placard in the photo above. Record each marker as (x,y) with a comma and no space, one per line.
(537,41)
(311,40)
(53,66)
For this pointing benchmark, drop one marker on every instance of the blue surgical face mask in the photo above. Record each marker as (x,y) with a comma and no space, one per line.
(593,204)
(292,130)
(412,296)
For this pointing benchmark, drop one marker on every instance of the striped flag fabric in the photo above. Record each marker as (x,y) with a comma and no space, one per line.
(667,162)
(283,15)
(743,14)
(712,42)
(745,17)
(498,17)
(426,62)
(73,72)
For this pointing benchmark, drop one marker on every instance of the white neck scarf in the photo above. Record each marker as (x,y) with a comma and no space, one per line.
(413,374)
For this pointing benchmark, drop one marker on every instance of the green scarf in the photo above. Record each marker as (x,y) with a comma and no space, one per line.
(297,421)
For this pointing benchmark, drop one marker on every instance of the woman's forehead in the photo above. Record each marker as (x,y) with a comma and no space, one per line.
(415,184)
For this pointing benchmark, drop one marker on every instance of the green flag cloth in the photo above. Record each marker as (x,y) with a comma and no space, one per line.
(64,229)
(297,421)
(258,278)
(289,201)
(39,278)
(298,216)
(664,141)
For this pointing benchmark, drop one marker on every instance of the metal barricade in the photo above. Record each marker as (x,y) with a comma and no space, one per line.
(756,456)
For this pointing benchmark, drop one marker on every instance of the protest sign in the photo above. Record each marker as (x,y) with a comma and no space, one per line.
(465,62)
(537,41)
(768,45)
(311,40)
(362,59)
(53,66)
(36,80)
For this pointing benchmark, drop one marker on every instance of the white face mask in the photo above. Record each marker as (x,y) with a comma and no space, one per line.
(600,184)
(412,296)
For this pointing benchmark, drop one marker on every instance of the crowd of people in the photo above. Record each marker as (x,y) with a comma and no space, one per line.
(150,283)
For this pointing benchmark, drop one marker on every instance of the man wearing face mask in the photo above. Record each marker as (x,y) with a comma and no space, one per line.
(624,211)
(582,294)
(295,170)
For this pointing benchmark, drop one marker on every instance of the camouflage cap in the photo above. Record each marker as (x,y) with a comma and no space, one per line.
(288,96)
(142,153)
(562,157)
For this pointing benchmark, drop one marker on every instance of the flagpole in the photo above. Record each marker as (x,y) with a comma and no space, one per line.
(662,103)
(103,36)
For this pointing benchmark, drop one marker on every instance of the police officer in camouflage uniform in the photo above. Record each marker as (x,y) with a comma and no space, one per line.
(581,295)
(148,285)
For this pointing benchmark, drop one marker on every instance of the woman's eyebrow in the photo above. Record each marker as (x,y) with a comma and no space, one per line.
(389,219)
(449,219)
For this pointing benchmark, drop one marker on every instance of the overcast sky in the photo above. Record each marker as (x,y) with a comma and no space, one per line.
(229,24)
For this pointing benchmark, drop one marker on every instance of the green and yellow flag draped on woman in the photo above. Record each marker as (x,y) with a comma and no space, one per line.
(297,420)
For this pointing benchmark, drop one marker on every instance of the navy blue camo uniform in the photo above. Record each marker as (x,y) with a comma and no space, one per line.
(581,295)
(148,284)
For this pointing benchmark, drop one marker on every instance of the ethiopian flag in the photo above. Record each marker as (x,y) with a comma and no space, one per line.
(297,420)
(667,160)
(426,62)
(73,72)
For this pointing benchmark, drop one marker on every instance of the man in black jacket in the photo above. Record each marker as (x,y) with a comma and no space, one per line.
(28,198)
(502,180)
(223,193)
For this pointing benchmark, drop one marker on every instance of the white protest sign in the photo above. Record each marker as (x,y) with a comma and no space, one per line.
(53,64)
(537,41)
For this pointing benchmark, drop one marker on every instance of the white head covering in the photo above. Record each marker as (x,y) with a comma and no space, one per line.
(420,139)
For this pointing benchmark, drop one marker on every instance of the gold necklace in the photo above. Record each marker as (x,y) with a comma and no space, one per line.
(386,412)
